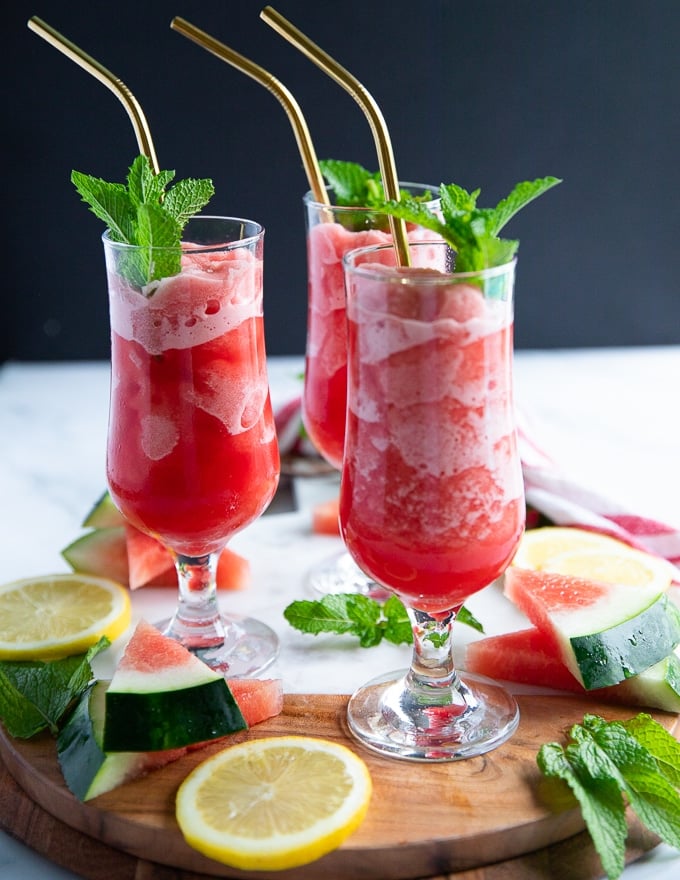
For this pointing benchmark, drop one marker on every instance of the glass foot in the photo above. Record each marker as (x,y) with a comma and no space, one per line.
(384,716)
(341,574)
(249,647)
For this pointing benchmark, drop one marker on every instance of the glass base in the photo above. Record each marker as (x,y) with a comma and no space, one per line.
(380,717)
(249,647)
(341,574)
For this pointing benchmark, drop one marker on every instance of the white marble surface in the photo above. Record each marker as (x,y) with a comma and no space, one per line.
(609,416)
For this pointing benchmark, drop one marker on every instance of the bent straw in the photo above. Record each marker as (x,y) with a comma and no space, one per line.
(104,76)
(367,103)
(286,99)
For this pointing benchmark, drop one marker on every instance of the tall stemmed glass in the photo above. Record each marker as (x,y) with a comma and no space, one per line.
(192,453)
(332,231)
(431,499)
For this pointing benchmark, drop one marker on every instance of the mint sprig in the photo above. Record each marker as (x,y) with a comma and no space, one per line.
(352,184)
(362,616)
(34,695)
(471,231)
(609,764)
(145,213)
(356,187)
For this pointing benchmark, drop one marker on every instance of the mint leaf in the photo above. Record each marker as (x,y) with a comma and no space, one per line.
(468,618)
(34,695)
(610,763)
(353,184)
(358,615)
(472,231)
(109,202)
(601,804)
(145,213)
(662,745)
(356,187)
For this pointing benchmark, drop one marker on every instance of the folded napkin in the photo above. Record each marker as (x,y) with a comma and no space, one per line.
(567,503)
(552,497)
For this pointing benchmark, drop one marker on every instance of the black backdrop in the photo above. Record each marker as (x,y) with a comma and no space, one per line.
(483,94)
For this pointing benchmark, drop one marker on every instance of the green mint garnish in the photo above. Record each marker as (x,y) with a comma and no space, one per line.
(610,763)
(353,185)
(361,616)
(35,695)
(471,231)
(356,187)
(144,212)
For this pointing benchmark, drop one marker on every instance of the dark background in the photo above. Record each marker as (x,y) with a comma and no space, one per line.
(483,94)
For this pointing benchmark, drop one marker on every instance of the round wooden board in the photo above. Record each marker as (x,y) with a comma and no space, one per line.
(481,818)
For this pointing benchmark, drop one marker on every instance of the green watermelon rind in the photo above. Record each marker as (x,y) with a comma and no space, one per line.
(620,652)
(104,514)
(657,687)
(88,771)
(100,552)
(170,719)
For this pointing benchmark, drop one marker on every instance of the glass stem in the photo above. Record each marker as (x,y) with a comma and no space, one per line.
(432,681)
(196,622)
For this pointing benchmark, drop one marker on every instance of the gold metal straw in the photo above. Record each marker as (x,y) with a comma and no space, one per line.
(367,103)
(286,99)
(107,78)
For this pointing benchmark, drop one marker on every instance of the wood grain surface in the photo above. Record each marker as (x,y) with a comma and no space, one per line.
(479,819)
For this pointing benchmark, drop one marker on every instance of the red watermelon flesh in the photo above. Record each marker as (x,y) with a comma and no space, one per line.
(150,564)
(325,518)
(131,557)
(258,699)
(526,656)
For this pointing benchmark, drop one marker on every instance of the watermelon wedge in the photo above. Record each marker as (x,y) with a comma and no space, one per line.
(326,517)
(102,552)
(104,514)
(162,696)
(528,656)
(89,771)
(130,557)
(603,633)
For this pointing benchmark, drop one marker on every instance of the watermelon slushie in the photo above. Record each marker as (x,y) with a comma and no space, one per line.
(431,501)
(192,452)
(331,233)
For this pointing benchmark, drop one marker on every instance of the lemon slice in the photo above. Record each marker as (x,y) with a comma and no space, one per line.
(539,546)
(590,555)
(51,616)
(630,567)
(274,803)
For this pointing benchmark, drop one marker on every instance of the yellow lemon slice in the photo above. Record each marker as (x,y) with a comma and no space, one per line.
(539,546)
(630,567)
(57,615)
(274,803)
(590,555)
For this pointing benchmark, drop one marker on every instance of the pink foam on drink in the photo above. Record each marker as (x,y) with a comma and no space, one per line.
(213,294)
(236,399)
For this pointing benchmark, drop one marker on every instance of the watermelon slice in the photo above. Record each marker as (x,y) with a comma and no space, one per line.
(603,633)
(104,514)
(130,557)
(528,656)
(326,517)
(162,696)
(258,699)
(102,552)
(89,771)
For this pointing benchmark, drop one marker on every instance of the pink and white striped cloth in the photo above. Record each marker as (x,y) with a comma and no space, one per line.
(561,500)
(568,503)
